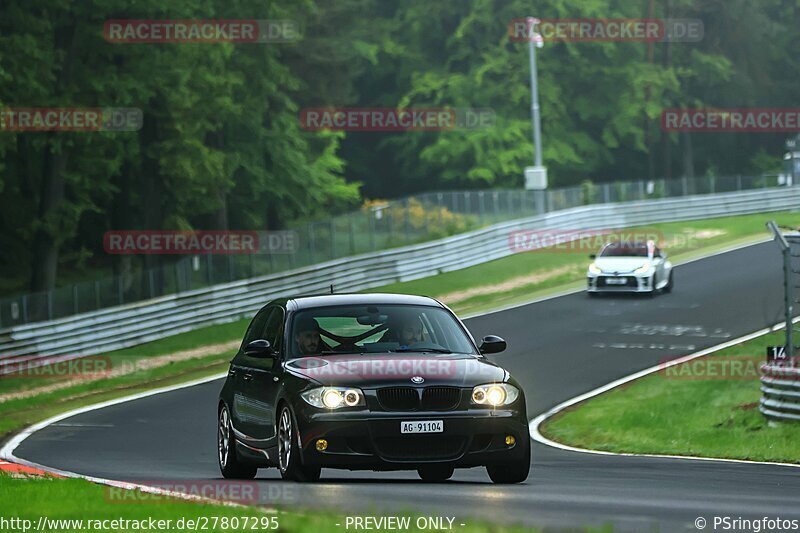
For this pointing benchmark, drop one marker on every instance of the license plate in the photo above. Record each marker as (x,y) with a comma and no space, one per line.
(616,281)
(422,426)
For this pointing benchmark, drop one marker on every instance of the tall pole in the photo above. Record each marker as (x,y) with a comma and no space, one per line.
(537,128)
(788,287)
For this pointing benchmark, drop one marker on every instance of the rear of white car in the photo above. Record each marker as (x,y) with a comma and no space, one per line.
(635,267)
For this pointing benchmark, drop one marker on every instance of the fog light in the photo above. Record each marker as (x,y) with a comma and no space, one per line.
(322,445)
(510,440)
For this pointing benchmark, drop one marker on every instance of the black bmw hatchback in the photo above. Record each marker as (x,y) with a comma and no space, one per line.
(369,381)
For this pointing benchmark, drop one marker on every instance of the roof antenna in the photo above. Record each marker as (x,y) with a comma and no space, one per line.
(331,288)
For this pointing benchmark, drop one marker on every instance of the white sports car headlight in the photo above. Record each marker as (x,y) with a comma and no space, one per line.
(334,397)
(643,269)
(494,394)
(594,269)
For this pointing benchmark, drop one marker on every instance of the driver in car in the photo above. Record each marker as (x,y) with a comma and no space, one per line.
(307,337)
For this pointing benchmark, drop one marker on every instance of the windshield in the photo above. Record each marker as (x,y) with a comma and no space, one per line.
(376,329)
(624,249)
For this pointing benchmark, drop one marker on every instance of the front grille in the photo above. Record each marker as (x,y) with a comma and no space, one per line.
(440,398)
(420,447)
(398,398)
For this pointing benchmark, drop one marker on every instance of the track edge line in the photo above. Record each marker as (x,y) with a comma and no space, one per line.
(536,422)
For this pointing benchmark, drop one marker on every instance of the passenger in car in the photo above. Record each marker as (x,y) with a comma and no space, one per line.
(405,330)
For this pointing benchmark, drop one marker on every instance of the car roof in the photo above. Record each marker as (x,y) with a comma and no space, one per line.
(325,300)
(627,244)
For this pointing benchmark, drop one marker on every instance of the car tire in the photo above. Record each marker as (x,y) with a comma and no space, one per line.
(512,471)
(229,463)
(670,282)
(435,473)
(290,463)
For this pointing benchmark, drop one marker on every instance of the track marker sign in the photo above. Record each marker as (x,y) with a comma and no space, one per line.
(776,354)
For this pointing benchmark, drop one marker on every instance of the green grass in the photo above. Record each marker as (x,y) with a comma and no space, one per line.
(76,499)
(737,230)
(666,413)
(189,340)
(18,413)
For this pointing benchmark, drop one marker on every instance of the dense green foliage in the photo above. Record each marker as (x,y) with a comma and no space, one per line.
(222,146)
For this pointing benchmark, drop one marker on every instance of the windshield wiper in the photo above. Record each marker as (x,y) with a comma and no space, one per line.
(421,350)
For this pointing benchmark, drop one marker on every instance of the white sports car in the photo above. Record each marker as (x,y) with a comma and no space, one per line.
(629,267)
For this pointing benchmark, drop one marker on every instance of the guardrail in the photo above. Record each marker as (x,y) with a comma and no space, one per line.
(780,392)
(375,227)
(129,325)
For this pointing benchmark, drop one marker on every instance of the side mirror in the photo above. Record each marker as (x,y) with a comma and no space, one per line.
(592,256)
(492,344)
(259,348)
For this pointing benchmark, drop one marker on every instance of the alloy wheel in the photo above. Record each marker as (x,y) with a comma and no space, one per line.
(223,437)
(284,439)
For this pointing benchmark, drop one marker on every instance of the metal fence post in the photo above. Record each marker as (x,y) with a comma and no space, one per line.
(352,235)
(787,284)
(371,229)
(333,238)
(407,221)
(312,245)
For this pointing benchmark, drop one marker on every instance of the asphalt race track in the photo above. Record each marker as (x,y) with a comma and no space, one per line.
(558,349)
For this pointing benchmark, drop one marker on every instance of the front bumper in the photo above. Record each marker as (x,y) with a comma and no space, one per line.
(364,440)
(633,283)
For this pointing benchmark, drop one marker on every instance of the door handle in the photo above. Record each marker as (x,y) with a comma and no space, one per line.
(247,377)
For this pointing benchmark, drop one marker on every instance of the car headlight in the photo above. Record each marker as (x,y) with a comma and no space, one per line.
(333,397)
(495,394)
(594,269)
(643,269)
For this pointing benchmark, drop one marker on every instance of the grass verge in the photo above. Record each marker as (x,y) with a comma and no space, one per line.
(707,407)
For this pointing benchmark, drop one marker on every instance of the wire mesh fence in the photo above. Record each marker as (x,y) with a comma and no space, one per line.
(376,226)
